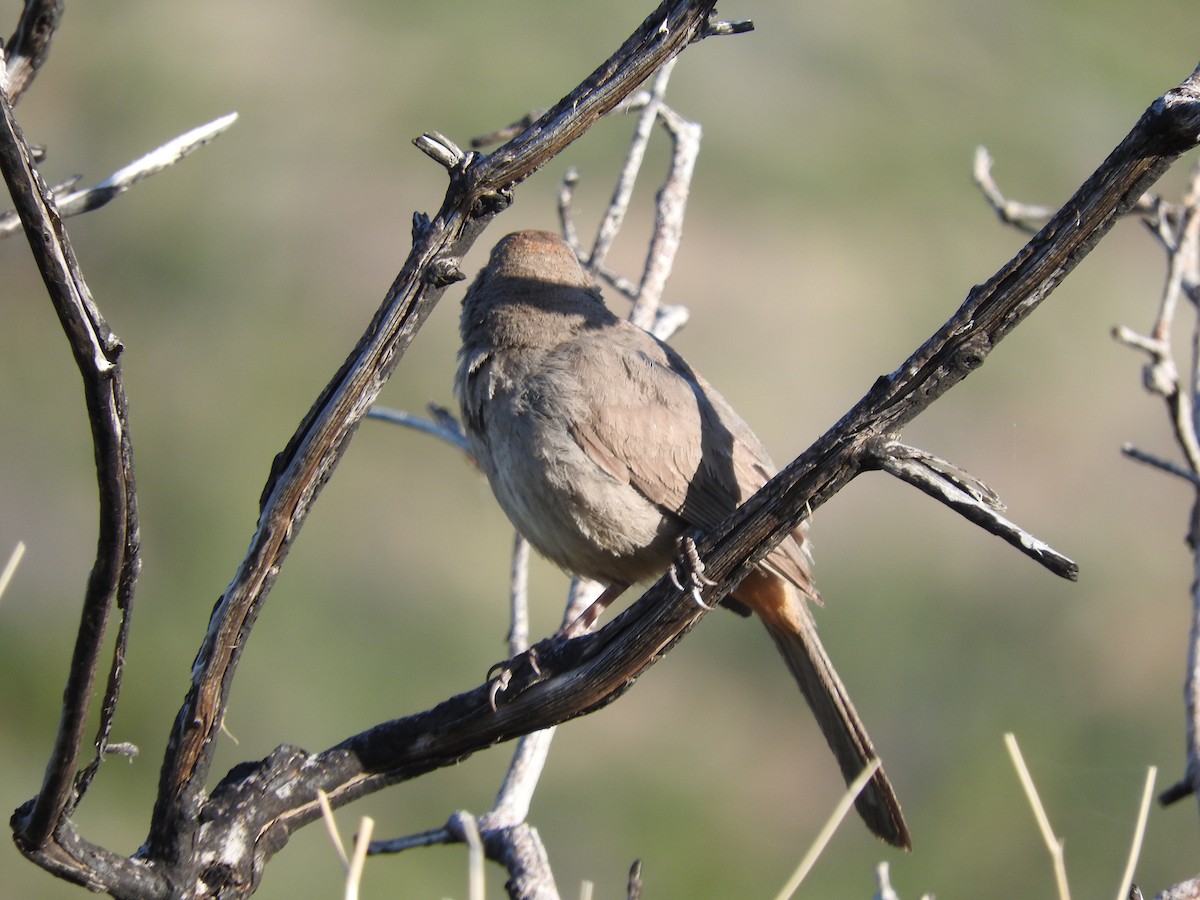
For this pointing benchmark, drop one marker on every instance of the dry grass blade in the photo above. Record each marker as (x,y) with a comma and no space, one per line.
(331,827)
(361,843)
(826,833)
(1139,832)
(10,567)
(1053,844)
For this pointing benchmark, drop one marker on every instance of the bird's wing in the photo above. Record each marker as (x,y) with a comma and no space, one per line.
(654,423)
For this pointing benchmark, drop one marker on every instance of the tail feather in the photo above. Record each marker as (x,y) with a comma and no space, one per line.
(790,624)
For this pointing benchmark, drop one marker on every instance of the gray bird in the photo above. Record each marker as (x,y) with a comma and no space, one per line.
(603,447)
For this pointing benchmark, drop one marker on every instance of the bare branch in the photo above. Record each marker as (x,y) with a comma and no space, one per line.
(441,150)
(736,26)
(443,425)
(648,312)
(69,202)
(969,497)
(614,218)
(1165,465)
(668,221)
(97,355)
(1021,215)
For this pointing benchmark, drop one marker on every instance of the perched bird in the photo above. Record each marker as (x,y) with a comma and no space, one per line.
(603,447)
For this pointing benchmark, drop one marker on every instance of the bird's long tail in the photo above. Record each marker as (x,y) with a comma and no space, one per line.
(784,611)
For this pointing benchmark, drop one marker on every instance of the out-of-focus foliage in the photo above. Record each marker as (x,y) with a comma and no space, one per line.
(832,227)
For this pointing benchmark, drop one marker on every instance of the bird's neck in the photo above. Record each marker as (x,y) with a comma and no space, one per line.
(539,317)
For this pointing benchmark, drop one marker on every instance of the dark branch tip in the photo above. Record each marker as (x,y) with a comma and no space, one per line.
(716,27)
(1176,792)
(420,225)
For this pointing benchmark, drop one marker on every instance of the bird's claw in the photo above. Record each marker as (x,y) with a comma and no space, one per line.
(688,561)
(500,675)
(498,685)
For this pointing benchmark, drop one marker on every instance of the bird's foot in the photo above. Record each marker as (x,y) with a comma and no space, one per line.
(689,564)
(500,675)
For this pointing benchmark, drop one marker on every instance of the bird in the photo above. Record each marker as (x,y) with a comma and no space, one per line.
(604,447)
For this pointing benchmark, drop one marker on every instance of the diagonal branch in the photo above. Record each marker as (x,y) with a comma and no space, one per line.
(1167,129)
(71,202)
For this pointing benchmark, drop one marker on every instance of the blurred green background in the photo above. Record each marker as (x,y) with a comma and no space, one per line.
(832,227)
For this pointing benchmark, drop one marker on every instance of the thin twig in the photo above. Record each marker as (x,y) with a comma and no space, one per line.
(430,838)
(883,883)
(468,830)
(668,217)
(518,596)
(614,217)
(633,886)
(74,202)
(520,782)
(1164,465)
(1025,216)
(566,218)
(507,132)
(439,428)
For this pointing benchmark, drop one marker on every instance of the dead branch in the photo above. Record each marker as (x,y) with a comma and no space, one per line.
(970,498)
(71,202)
(97,354)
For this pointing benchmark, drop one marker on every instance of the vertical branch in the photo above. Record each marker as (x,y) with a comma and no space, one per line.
(614,218)
(1177,227)
(97,351)
(518,595)
(668,219)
